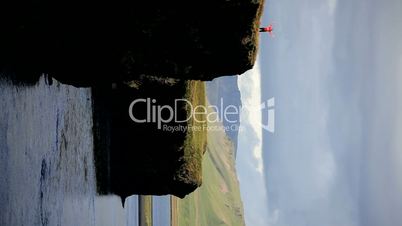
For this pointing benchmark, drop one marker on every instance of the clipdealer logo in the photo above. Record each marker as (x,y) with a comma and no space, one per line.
(161,115)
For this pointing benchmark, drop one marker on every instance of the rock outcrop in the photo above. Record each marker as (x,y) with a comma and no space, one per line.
(154,48)
(141,157)
(91,42)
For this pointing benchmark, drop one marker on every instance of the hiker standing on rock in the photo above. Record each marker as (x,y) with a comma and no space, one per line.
(268,29)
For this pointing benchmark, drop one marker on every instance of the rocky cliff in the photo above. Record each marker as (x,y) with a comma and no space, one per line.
(142,147)
(142,47)
(87,43)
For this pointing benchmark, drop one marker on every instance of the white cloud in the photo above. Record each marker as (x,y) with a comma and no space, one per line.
(249,155)
(250,88)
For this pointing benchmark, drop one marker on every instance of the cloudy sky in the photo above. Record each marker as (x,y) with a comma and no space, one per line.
(335,70)
(249,160)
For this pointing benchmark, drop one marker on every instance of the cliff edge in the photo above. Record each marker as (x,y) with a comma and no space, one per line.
(94,42)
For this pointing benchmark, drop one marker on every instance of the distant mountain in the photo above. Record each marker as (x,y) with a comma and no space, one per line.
(217,201)
(224,91)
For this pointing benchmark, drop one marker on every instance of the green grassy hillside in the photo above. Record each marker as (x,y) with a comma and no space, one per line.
(217,201)
(195,140)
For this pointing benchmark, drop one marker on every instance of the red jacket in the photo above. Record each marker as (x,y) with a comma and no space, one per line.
(267,29)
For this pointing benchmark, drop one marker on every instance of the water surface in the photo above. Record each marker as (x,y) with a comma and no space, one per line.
(47,174)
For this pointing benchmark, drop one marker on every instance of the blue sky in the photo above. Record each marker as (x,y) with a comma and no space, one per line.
(335,70)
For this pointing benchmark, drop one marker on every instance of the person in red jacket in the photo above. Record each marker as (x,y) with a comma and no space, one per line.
(268,29)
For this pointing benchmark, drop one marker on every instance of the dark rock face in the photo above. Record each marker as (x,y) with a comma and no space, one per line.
(93,42)
(138,158)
